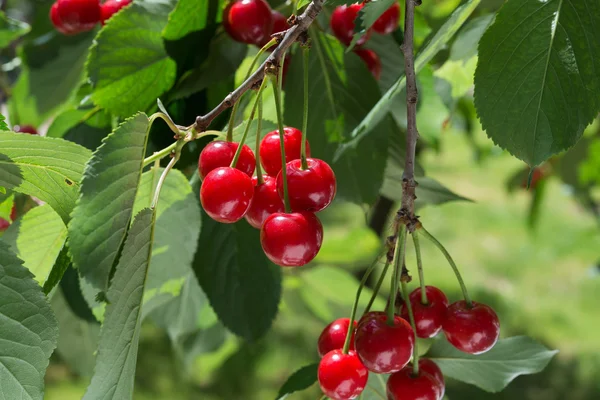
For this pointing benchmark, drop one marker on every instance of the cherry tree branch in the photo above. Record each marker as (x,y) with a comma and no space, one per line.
(290,36)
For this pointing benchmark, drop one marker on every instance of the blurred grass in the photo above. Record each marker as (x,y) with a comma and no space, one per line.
(542,283)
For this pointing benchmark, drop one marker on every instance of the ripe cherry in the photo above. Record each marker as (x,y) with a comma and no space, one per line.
(342,376)
(388,21)
(219,153)
(430,367)
(342,23)
(334,336)
(280,24)
(403,385)
(266,201)
(110,8)
(4,224)
(25,129)
(473,330)
(248,21)
(311,189)
(13,212)
(384,348)
(291,240)
(270,154)
(372,60)
(428,317)
(226,194)
(57,22)
(79,15)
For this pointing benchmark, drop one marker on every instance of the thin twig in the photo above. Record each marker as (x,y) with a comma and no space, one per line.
(291,35)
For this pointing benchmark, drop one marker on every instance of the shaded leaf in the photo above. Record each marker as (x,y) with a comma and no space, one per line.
(467,39)
(302,379)
(188,16)
(11,29)
(367,17)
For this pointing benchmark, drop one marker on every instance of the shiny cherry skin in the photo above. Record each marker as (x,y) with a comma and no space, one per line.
(342,23)
(428,317)
(57,22)
(372,61)
(430,367)
(266,201)
(79,15)
(473,330)
(270,154)
(110,8)
(342,376)
(388,21)
(280,24)
(25,129)
(371,314)
(291,240)
(402,385)
(226,194)
(311,189)
(219,153)
(248,21)
(334,336)
(384,348)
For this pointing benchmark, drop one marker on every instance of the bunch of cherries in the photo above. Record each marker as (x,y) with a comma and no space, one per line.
(71,17)
(386,347)
(290,237)
(342,25)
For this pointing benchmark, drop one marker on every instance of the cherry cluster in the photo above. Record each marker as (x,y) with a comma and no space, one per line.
(342,25)
(291,237)
(385,347)
(71,17)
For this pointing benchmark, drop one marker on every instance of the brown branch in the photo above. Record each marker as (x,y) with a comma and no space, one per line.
(408,179)
(293,34)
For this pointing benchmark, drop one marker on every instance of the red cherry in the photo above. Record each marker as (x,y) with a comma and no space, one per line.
(270,154)
(384,348)
(218,154)
(372,60)
(226,194)
(280,24)
(402,385)
(388,21)
(291,240)
(428,366)
(57,22)
(538,175)
(4,224)
(342,23)
(428,317)
(334,336)
(25,129)
(110,8)
(473,330)
(311,189)
(371,314)
(248,21)
(13,212)
(266,201)
(342,376)
(79,15)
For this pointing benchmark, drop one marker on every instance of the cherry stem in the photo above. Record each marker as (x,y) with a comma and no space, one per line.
(277,95)
(411,318)
(229,137)
(377,287)
(248,123)
(305,59)
(168,121)
(163,177)
(424,299)
(440,246)
(259,175)
(398,262)
(356,299)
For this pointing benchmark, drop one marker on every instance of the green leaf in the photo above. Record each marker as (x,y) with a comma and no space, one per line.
(3,125)
(429,191)
(302,379)
(537,89)
(494,370)
(37,238)
(114,372)
(128,64)
(188,16)
(108,192)
(350,92)
(243,287)
(367,17)
(176,234)
(11,29)
(29,330)
(467,39)
(62,263)
(47,168)
(427,52)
